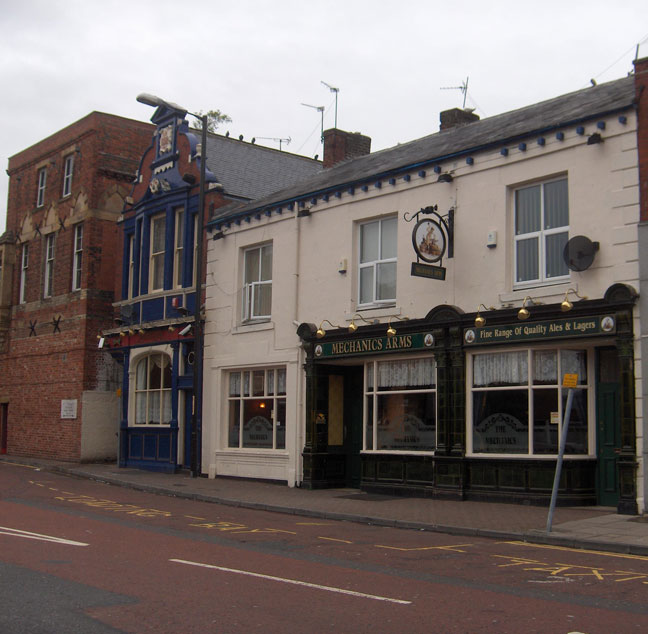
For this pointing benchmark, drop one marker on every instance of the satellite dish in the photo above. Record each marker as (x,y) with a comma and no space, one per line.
(579,252)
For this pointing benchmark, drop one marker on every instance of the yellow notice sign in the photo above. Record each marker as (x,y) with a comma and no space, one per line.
(570,380)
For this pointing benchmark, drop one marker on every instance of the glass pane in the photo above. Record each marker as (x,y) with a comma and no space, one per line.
(501,421)
(369,242)
(369,424)
(166,373)
(554,247)
(280,419)
(233,427)
(266,262)
(281,381)
(262,300)
(179,228)
(140,383)
(140,408)
(154,408)
(155,373)
(577,430)
(406,421)
(367,285)
(500,368)
(158,234)
(387,280)
(545,367)
(270,382)
(258,378)
(556,204)
(574,362)
(235,384)
(388,238)
(257,423)
(526,258)
(166,409)
(158,272)
(406,375)
(251,266)
(246,384)
(369,369)
(545,421)
(527,210)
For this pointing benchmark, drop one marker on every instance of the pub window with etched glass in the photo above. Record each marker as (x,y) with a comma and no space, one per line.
(517,402)
(400,405)
(257,409)
(153,390)
(541,233)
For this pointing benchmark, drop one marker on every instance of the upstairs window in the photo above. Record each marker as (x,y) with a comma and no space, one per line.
(377,266)
(156,264)
(541,233)
(78,257)
(42,181)
(257,283)
(24,265)
(68,170)
(131,265)
(48,285)
(178,259)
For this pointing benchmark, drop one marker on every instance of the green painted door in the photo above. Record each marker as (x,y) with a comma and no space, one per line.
(353,391)
(608,428)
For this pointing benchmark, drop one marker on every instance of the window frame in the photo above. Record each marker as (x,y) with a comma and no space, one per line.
(147,392)
(586,388)
(48,278)
(24,267)
(249,288)
(154,256)
(68,172)
(540,235)
(374,265)
(178,248)
(370,431)
(77,257)
(41,186)
(278,397)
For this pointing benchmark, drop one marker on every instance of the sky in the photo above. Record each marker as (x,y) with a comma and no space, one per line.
(397,64)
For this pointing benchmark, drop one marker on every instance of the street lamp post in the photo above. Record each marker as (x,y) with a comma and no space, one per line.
(152,100)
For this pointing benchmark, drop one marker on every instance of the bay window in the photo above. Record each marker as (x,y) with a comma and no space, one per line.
(153,390)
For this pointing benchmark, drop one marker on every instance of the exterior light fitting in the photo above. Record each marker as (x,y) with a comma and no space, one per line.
(566,305)
(479,320)
(446,177)
(320,331)
(595,138)
(391,331)
(524,313)
(352,327)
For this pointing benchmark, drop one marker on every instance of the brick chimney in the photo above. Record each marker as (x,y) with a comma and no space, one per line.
(340,146)
(456,117)
(641,98)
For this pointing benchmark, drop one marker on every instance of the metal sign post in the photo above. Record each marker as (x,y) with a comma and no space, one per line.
(570,381)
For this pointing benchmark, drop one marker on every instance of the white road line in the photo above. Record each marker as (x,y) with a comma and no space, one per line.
(15,532)
(316,586)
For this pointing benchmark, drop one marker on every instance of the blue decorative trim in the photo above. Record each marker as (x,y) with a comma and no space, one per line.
(422,173)
(504,151)
(560,136)
(351,190)
(541,141)
(378,184)
(268,213)
(437,169)
(325,198)
(407,178)
(601,125)
(623,119)
(248,219)
(522,147)
(338,194)
(392,181)
(580,130)
(365,188)
(470,160)
(314,200)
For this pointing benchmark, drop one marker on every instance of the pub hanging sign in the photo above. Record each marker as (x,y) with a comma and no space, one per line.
(432,238)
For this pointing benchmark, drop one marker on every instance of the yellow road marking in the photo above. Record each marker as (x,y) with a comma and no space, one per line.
(17,464)
(332,539)
(193,517)
(578,550)
(455,547)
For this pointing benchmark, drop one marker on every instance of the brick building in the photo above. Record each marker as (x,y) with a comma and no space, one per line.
(59,267)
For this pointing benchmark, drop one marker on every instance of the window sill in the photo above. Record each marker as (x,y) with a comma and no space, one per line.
(537,292)
(375,310)
(253,326)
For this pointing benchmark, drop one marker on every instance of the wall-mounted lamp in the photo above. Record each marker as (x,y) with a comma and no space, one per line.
(303,213)
(171,329)
(595,138)
(218,235)
(320,331)
(446,177)
(391,331)
(524,313)
(131,331)
(352,327)
(479,320)
(122,333)
(566,305)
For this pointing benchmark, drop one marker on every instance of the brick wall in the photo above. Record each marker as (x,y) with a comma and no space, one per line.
(58,358)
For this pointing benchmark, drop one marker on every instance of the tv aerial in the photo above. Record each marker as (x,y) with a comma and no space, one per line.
(319,109)
(463,88)
(336,91)
(276,140)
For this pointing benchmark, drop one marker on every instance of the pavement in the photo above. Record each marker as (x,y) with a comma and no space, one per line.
(584,527)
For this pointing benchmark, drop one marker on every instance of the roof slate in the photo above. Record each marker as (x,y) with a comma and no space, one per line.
(500,130)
